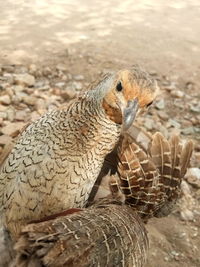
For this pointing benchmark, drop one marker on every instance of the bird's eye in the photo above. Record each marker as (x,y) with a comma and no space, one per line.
(119,87)
(148,105)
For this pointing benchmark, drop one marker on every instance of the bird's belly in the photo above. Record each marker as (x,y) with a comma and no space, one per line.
(48,189)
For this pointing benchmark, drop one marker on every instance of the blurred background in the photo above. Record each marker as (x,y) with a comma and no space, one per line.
(50,50)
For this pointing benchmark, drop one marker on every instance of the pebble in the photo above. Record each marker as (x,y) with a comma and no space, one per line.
(41,104)
(60,84)
(189,85)
(195,108)
(10,114)
(68,94)
(61,67)
(163,115)
(17,88)
(32,68)
(177,93)
(169,86)
(20,69)
(78,77)
(185,188)
(5,99)
(12,129)
(5,139)
(149,123)
(77,86)
(193,177)
(22,115)
(29,100)
(3,115)
(188,131)
(24,79)
(160,104)
(187,215)
(47,71)
(8,77)
(173,123)
(8,68)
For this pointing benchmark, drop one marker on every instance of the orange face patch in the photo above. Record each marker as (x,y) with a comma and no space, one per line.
(114,114)
(132,90)
(116,100)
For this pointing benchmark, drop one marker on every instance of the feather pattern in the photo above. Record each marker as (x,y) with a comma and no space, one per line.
(185,157)
(111,234)
(150,178)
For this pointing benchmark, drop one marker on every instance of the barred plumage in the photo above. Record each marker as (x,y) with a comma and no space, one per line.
(150,180)
(57,159)
(106,234)
(109,232)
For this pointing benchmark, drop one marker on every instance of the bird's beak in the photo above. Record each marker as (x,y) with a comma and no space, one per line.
(129,113)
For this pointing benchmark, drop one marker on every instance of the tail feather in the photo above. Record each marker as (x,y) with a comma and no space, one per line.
(185,157)
(150,179)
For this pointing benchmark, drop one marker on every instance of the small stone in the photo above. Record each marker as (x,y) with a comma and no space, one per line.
(22,115)
(68,94)
(5,99)
(3,115)
(35,115)
(64,78)
(32,68)
(173,123)
(47,71)
(9,77)
(41,104)
(188,131)
(19,69)
(185,188)
(3,108)
(24,80)
(42,85)
(8,68)
(29,100)
(163,115)
(166,258)
(177,93)
(17,88)
(77,86)
(169,86)
(12,129)
(10,114)
(189,85)
(79,77)
(60,84)
(193,177)
(5,139)
(195,108)
(61,67)
(149,124)
(187,215)
(160,104)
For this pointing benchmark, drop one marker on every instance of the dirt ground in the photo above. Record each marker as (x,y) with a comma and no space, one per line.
(61,40)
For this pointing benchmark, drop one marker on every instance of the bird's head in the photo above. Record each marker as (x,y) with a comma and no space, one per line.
(127,92)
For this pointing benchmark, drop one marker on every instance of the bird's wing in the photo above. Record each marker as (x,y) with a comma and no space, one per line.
(106,234)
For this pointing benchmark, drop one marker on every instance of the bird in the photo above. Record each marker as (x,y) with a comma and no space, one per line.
(111,230)
(57,159)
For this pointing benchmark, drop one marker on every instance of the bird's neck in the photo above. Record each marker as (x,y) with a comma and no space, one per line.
(91,125)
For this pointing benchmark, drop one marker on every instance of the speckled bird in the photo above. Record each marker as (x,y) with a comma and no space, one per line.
(57,159)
